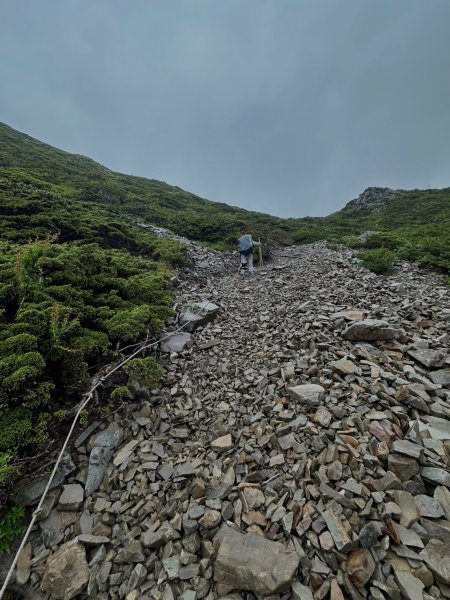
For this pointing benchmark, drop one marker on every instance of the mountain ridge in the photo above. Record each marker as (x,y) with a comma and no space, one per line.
(49,186)
(12,155)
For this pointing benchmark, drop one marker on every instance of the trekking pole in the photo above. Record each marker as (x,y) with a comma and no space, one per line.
(261,264)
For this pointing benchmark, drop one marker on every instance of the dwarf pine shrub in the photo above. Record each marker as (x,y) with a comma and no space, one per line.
(63,308)
(380,260)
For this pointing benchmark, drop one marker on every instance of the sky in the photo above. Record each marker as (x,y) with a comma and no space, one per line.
(291,107)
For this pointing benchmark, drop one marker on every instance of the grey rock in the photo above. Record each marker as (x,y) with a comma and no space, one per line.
(441,377)
(23,564)
(437,556)
(323,416)
(137,577)
(338,533)
(189,571)
(156,539)
(428,507)
(368,536)
(429,358)
(410,586)
(71,497)
(372,330)
(125,452)
(250,562)
(196,314)
(442,495)
(172,567)
(29,491)
(184,470)
(86,433)
(436,528)
(404,467)
(67,572)
(177,342)
(301,592)
(436,475)
(131,553)
(344,366)
(309,394)
(409,514)
(407,448)
(100,456)
(54,525)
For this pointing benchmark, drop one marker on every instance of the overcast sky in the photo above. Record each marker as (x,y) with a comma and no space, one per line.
(290,107)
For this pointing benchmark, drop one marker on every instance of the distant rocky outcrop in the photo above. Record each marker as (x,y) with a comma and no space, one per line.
(374,198)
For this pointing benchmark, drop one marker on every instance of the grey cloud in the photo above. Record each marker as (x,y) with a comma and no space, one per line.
(286,107)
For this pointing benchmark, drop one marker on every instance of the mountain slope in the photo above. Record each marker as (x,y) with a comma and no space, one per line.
(80,278)
(28,165)
(45,190)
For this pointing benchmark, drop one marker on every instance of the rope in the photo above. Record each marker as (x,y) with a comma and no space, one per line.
(87,398)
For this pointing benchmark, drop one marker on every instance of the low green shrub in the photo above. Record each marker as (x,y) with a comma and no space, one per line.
(6,470)
(332,246)
(388,240)
(63,309)
(145,371)
(120,392)
(10,527)
(351,242)
(380,260)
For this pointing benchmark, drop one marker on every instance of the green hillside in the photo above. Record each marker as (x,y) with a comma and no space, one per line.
(45,190)
(79,278)
(57,191)
(414,226)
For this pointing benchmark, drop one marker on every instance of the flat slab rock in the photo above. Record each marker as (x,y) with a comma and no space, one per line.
(429,358)
(441,377)
(196,314)
(437,557)
(67,572)
(310,393)
(250,562)
(177,342)
(372,330)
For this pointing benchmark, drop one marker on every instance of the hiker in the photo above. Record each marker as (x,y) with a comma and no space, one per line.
(245,247)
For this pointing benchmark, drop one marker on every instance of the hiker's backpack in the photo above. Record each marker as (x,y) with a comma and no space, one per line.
(245,244)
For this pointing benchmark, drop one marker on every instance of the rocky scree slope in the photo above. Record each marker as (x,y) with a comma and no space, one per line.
(298,447)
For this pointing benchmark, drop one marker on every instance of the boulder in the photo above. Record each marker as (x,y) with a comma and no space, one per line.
(250,562)
(372,330)
(309,394)
(66,573)
(100,456)
(177,342)
(196,314)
